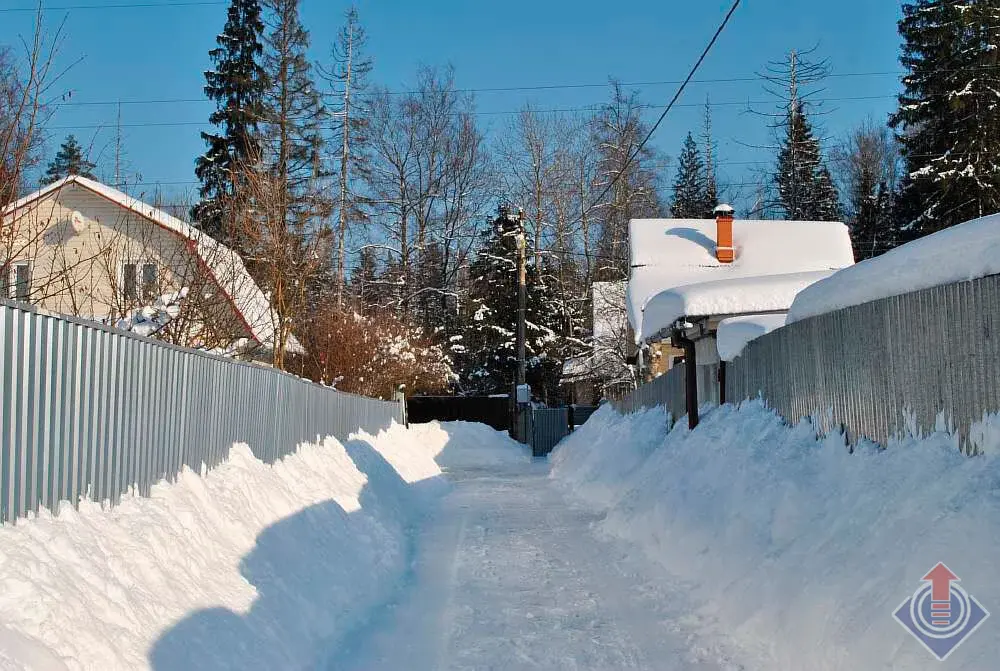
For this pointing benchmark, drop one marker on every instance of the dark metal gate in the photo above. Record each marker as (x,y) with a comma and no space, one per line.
(549,426)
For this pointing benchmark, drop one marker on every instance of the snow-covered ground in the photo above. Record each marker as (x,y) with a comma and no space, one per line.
(795,551)
(744,545)
(248,566)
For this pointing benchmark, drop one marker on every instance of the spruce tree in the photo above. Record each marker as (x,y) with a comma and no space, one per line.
(237,86)
(293,115)
(69,160)
(348,79)
(805,188)
(489,362)
(948,121)
(691,184)
(365,282)
(872,230)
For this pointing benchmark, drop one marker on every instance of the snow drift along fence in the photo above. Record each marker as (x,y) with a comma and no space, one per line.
(90,411)
(863,367)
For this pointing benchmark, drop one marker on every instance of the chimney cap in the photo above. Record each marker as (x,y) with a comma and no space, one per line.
(724,210)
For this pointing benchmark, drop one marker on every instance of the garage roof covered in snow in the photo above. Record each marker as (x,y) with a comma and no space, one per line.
(774,261)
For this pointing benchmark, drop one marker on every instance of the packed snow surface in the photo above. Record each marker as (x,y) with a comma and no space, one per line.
(735,333)
(666,254)
(965,252)
(797,551)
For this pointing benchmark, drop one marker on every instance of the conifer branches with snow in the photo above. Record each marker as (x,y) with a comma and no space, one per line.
(948,121)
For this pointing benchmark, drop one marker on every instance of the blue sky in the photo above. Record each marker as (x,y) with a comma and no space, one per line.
(159,53)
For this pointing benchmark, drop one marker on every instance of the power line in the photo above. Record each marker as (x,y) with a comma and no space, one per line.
(670,105)
(592,106)
(131,5)
(565,110)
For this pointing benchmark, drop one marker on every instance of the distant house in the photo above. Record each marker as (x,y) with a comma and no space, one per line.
(81,248)
(688,276)
(605,368)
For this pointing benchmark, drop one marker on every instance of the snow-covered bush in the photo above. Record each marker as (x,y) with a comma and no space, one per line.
(372,356)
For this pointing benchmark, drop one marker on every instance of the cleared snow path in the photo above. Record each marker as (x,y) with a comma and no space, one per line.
(508,575)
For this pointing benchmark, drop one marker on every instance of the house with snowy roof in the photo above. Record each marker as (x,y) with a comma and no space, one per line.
(605,367)
(704,285)
(81,248)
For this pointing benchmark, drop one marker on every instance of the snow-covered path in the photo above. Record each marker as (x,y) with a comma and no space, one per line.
(508,575)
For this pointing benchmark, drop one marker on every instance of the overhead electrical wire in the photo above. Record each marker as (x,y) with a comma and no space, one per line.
(128,5)
(680,91)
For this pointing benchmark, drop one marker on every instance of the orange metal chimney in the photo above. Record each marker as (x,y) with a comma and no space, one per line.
(724,234)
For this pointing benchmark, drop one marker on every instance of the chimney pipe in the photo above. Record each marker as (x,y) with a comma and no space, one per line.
(724,251)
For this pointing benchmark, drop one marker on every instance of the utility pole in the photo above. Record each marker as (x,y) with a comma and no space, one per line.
(522,298)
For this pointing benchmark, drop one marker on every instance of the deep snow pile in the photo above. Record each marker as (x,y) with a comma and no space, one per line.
(798,550)
(469,445)
(965,252)
(248,566)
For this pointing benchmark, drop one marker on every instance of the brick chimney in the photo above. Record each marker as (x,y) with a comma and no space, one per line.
(724,234)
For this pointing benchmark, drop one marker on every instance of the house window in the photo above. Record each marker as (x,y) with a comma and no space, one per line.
(130,282)
(140,280)
(15,281)
(149,283)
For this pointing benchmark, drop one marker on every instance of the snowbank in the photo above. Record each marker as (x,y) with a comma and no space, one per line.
(469,445)
(735,333)
(799,551)
(247,566)
(956,254)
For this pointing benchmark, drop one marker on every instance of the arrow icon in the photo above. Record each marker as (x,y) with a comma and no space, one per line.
(941,578)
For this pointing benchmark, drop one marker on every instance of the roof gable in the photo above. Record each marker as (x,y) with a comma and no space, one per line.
(222,264)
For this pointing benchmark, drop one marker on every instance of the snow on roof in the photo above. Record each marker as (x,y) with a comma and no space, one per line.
(667,254)
(960,253)
(735,333)
(743,295)
(223,264)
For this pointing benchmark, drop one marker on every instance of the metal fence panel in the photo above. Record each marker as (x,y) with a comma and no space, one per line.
(865,368)
(667,391)
(861,368)
(90,411)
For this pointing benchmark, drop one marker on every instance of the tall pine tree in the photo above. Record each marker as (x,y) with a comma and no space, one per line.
(691,185)
(237,85)
(948,121)
(69,160)
(805,188)
(711,192)
(293,115)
